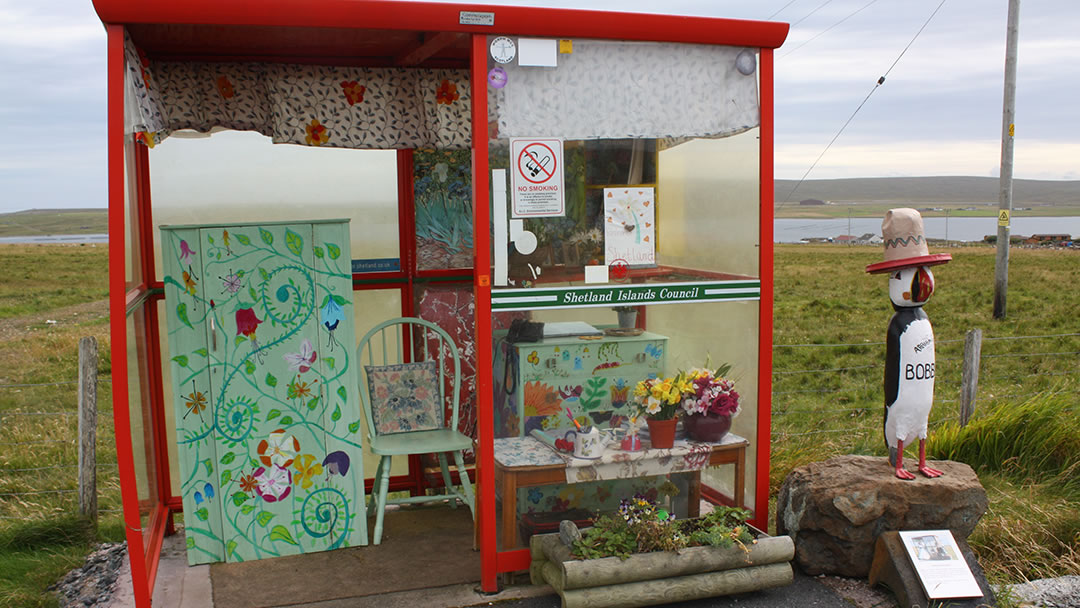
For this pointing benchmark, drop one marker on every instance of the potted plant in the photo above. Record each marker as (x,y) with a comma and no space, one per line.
(643,556)
(627,316)
(710,404)
(657,400)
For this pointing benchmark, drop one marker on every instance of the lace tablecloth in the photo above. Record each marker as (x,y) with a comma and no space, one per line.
(684,456)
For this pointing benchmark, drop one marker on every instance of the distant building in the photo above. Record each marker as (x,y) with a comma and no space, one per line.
(811,201)
(1046,239)
(846,239)
(868,239)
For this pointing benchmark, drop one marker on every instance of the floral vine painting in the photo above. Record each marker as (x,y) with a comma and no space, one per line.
(268,419)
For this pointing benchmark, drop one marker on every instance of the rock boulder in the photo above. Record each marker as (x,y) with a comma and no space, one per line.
(835,510)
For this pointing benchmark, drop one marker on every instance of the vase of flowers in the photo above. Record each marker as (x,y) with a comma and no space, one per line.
(657,399)
(710,404)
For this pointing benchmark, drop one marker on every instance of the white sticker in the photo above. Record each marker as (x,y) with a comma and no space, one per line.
(539,52)
(503,49)
(596,274)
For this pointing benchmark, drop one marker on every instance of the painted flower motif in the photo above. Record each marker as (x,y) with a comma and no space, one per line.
(298,389)
(533,358)
(317,134)
(224,87)
(332,314)
(447,93)
(273,484)
(185,253)
(541,399)
(354,91)
(336,463)
(306,467)
(230,282)
(246,322)
(248,483)
(278,449)
(302,360)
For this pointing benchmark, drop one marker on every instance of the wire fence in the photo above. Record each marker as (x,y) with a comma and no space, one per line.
(39,452)
(843,398)
(821,392)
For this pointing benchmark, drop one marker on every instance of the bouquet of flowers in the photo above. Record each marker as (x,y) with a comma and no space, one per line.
(710,393)
(659,398)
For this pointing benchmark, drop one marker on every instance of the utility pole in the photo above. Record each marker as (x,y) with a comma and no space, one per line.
(1001,266)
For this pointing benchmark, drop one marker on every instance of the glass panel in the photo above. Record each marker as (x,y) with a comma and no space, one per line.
(371,307)
(132,237)
(648,266)
(167,403)
(442,196)
(241,177)
(141,422)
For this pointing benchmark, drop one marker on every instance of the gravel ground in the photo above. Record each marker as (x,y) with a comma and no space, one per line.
(1063,592)
(92,584)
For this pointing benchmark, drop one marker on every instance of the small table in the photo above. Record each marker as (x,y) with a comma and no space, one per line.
(545,467)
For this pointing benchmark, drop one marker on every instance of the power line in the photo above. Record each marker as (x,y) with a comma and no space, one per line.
(781,10)
(879,82)
(820,6)
(819,34)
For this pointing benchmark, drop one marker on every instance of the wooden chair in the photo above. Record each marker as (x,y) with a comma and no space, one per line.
(399,371)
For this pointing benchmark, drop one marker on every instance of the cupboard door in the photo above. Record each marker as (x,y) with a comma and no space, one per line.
(267,394)
(333,513)
(186,316)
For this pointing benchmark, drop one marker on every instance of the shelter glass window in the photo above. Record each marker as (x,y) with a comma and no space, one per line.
(655,170)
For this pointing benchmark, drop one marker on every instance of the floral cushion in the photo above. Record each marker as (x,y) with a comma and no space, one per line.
(404,397)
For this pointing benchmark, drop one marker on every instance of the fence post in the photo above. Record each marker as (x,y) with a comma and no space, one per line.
(88,376)
(969,383)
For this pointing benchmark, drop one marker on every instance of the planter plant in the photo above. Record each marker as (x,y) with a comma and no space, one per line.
(642,556)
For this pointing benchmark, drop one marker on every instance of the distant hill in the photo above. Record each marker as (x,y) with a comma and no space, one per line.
(37,222)
(928,190)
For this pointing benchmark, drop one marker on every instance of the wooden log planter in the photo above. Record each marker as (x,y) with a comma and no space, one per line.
(648,579)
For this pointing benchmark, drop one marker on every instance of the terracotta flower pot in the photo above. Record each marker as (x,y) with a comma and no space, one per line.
(661,432)
(705,427)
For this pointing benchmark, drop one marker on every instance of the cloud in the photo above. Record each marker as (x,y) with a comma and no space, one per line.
(1033,159)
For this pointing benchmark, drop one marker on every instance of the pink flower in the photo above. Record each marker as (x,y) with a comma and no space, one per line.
(185,253)
(246,322)
(302,360)
(273,484)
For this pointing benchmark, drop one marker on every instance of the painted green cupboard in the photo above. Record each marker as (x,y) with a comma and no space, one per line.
(261,341)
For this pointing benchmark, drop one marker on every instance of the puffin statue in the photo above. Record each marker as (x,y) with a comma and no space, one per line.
(909,354)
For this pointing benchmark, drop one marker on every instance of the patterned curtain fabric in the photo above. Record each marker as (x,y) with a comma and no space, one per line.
(338,107)
(621,90)
(602,90)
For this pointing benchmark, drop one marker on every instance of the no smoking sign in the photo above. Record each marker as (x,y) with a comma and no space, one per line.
(536,178)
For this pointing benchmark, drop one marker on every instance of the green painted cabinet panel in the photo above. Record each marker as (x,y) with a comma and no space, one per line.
(537,382)
(261,341)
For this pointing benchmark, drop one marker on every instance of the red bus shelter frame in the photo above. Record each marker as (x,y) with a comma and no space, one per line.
(303,20)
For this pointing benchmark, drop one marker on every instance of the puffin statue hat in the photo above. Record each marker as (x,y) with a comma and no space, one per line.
(905,243)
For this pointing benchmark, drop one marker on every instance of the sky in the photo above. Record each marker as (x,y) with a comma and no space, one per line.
(938,112)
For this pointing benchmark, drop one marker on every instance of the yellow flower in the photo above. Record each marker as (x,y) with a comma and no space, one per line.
(306,469)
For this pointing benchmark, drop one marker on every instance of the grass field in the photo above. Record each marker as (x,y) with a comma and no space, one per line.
(53,221)
(827,398)
(877,210)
